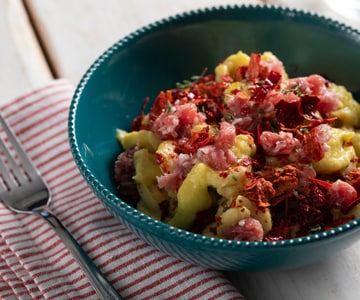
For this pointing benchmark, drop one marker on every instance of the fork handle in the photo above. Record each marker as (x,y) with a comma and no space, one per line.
(100,284)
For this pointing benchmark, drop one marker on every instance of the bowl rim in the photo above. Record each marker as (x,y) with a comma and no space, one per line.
(144,220)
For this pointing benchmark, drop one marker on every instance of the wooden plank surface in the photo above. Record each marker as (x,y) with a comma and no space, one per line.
(335,278)
(77,32)
(22,65)
(334,9)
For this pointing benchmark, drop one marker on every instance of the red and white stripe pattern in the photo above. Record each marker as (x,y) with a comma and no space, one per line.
(34,263)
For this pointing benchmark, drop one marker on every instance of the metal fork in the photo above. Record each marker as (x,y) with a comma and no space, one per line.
(23,190)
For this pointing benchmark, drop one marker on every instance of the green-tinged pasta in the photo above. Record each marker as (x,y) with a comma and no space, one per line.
(143,138)
(193,195)
(232,211)
(349,111)
(146,172)
(340,153)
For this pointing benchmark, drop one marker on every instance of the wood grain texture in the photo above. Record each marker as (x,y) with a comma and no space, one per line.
(334,9)
(23,65)
(334,278)
(75,33)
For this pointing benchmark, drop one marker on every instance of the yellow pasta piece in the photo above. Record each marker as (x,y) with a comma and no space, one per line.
(234,61)
(244,146)
(230,182)
(355,140)
(144,138)
(355,211)
(166,156)
(349,111)
(240,87)
(340,154)
(242,208)
(231,217)
(193,195)
(146,172)
(210,230)
(231,64)
(213,130)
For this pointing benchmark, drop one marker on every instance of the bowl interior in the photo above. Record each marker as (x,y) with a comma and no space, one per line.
(155,57)
(158,56)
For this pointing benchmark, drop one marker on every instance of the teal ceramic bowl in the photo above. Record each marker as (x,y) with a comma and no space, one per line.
(157,56)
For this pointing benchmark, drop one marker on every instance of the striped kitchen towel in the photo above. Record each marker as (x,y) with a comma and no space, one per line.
(35,264)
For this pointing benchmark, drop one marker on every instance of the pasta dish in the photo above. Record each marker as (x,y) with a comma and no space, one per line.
(245,153)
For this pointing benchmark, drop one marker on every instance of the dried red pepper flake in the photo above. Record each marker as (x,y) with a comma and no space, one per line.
(137,123)
(240,73)
(254,68)
(284,187)
(308,104)
(321,183)
(197,140)
(162,101)
(247,162)
(265,192)
(294,199)
(259,91)
(280,232)
(288,114)
(314,196)
(353,178)
(212,110)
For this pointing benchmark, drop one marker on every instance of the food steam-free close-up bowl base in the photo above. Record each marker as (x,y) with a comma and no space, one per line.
(157,56)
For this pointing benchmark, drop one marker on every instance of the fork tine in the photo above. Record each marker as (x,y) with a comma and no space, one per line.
(12,168)
(8,181)
(26,163)
(33,197)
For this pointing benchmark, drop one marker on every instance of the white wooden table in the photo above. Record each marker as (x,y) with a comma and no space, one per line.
(41,40)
